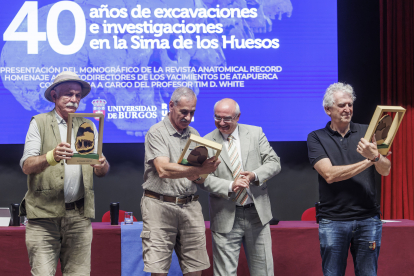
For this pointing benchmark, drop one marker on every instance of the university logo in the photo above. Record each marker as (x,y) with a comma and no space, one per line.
(99,107)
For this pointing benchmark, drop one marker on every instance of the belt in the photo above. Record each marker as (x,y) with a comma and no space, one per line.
(71,205)
(247,206)
(173,199)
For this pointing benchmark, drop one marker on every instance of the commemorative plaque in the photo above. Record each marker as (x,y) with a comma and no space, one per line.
(384,126)
(86,151)
(195,151)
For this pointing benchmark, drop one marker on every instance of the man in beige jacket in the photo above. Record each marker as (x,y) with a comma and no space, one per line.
(59,202)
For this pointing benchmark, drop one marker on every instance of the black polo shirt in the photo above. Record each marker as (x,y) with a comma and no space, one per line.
(349,199)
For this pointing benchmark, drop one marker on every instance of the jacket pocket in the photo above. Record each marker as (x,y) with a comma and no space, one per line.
(145,234)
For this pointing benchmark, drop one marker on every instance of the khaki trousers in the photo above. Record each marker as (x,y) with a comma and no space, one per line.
(67,238)
(168,227)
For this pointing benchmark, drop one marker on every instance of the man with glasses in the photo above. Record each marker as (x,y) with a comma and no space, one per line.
(240,208)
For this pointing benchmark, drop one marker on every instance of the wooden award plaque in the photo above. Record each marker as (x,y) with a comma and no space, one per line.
(196,155)
(384,127)
(85,140)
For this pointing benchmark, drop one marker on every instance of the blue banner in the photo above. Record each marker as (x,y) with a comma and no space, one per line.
(274,57)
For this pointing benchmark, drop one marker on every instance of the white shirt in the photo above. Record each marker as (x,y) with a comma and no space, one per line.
(236,137)
(73,181)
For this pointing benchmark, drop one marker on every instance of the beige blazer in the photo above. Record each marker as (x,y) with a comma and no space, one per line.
(257,156)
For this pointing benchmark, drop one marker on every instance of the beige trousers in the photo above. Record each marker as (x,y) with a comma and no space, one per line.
(167,227)
(68,238)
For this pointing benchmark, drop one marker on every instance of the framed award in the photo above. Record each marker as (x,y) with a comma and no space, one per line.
(195,151)
(384,126)
(86,152)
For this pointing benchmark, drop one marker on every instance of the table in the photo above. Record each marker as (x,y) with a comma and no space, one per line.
(106,251)
(295,250)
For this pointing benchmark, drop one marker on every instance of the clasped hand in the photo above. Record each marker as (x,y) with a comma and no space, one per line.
(243,181)
(240,183)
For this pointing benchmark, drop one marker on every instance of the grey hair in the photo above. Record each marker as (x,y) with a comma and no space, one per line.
(182,92)
(236,112)
(328,99)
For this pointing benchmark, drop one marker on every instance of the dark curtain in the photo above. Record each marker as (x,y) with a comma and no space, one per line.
(397,88)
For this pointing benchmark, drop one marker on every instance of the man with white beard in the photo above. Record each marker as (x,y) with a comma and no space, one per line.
(59,202)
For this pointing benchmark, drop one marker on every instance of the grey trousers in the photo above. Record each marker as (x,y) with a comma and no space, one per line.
(68,238)
(257,243)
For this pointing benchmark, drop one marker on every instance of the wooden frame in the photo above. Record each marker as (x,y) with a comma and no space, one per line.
(202,141)
(379,111)
(85,160)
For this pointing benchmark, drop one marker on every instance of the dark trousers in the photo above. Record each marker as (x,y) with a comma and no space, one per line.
(362,236)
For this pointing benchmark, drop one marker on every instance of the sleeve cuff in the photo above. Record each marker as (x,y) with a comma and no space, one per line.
(255,177)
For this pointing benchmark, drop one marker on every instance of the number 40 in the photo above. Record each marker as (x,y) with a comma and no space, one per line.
(33,36)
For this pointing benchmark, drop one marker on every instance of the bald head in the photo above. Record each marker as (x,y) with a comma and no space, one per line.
(227,114)
(228,104)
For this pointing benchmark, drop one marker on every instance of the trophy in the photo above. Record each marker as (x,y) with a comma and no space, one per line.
(384,127)
(86,152)
(195,151)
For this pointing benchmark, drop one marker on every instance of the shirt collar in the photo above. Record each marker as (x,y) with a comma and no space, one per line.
(332,132)
(171,129)
(235,134)
(59,119)
(353,127)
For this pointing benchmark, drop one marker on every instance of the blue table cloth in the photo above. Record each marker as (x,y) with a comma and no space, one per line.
(132,263)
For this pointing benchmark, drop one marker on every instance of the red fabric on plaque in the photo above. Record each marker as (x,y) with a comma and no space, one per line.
(397,84)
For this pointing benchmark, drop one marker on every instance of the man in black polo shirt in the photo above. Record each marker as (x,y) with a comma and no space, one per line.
(346,162)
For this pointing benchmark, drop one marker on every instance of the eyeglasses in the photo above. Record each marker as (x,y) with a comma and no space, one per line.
(225,119)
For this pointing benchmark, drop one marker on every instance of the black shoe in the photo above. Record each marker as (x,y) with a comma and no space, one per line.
(273,221)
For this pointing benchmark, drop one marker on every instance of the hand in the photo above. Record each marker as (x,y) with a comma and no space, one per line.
(210,165)
(62,151)
(250,176)
(240,183)
(368,150)
(193,177)
(102,162)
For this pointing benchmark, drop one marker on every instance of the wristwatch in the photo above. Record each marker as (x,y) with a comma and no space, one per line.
(198,179)
(376,158)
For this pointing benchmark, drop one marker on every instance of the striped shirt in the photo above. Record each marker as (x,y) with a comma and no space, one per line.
(236,137)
